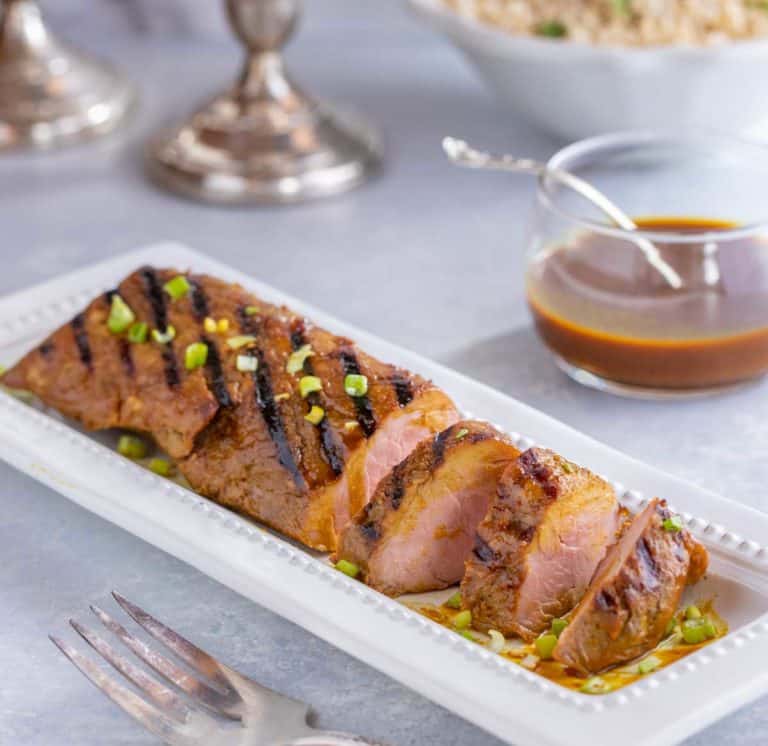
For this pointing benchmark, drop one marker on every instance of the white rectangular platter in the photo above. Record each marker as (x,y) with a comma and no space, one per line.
(496,694)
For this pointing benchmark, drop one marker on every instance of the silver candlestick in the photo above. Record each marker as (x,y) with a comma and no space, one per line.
(50,94)
(264,141)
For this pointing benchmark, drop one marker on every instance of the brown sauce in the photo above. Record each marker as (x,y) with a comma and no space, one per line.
(598,305)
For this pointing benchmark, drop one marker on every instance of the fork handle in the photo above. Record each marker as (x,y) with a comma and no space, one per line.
(331,738)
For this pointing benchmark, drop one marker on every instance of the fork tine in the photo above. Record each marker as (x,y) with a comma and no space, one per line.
(222,703)
(201,661)
(151,718)
(164,697)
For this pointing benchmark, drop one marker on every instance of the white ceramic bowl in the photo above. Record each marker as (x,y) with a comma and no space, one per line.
(576,90)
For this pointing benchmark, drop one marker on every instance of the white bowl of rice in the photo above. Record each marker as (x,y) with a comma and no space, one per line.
(577,68)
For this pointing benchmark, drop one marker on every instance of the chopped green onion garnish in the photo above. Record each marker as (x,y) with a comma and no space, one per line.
(692,612)
(308,384)
(356,385)
(671,624)
(222,326)
(251,310)
(622,7)
(595,685)
(463,619)
(242,340)
(699,630)
(497,642)
(165,337)
(348,568)
(297,358)
(196,355)
(558,625)
(567,467)
(282,397)
(315,415)
(454,602)
(131,446)
(137,333)
(209,325)
(120,315)
(545,645)
(553,29)
(648,665)
(673,524)
(247,363)
(351,425)
(469,635)
(3,370)
(462,433)
(160,466)
(178,287)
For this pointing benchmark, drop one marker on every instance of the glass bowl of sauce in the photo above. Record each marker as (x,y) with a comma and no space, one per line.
(611,320)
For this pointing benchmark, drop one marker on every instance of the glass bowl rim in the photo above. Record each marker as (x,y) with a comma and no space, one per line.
(593,145)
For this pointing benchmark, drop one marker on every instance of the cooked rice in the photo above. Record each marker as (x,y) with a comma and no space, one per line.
(624,22)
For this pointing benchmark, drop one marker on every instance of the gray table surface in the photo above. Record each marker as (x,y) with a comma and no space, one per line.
(426,256)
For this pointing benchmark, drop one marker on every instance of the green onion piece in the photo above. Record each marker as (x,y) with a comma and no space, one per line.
(351,425)
(348,568)
(497,642)
(315,415)
(247,363)
(692,612)
(567,467)
(595,685)
(648,665)
(622,7)
(209,325)
(242,340)
(160,466)
(545,645)
(3,370)
(558,625)
(165,337)
(356,385)
(297,358)
(710,628)
(462,433)
(138,332)
(282,397)
(196,355)
(671,624)
(120,315)
(131,446)
(469,635)
(554,29)
(308,384)
(463,620)
(178,287)
(673,524)
(251,310)
(454,602)
(696,631)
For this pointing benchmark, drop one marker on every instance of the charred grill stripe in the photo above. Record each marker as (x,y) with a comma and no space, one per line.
(127,358)
(81,340)
(651,566)
(46,348)
(331,450)
(199,301)
(156,299)
(216,378)
(397,485)
(370,531)
(403,390)
(483,551)
(438,446)
(269,411)
(365,416)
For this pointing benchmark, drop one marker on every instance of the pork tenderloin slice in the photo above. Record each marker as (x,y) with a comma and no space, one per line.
(634,594)
(417,530)
(537,548)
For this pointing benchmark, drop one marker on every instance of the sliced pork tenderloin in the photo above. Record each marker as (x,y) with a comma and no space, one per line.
(634,594)
(417,530)
(536,550)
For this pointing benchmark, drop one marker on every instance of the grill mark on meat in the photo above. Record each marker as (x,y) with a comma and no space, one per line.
(46,348)
(156,299)
(483,550)
(439,444)
(370,531)
(199,301)
(403,390)
(81,340)
(397,485)
(365,416)
(530,464)
(651,566)
(331,450)
(605,601)
(269,411)
(216,378)
(127,358)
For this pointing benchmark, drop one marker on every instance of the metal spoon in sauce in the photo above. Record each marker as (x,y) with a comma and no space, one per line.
(462,154)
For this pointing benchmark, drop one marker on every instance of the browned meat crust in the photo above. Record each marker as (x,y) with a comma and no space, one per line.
(240,438)
(539,544)
(457,465)
(634,595)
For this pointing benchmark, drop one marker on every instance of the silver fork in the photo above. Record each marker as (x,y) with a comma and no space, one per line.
(221,707)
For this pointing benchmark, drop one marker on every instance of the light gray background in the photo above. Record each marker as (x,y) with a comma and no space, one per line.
(427,256)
